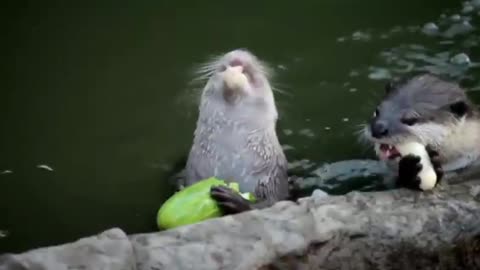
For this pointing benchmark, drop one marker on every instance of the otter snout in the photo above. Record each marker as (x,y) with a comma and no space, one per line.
(238,76)
(236,62)
(379,129)
(235,82)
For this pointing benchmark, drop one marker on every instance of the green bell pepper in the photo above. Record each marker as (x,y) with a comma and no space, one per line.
(194,204)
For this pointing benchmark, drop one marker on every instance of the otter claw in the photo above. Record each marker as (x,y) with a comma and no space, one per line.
(436,162)
(413,184)
(409,166)
(229,201)
(408,169)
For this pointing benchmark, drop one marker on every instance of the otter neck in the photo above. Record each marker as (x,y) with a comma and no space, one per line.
(461,147)
(250,114)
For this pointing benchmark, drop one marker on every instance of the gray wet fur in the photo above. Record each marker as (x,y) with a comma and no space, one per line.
(425,97)
(235,137)
(446,120)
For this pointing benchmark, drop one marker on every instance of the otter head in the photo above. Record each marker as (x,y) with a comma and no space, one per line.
(424,109)
(238,87)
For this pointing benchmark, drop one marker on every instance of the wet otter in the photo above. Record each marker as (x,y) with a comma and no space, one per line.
(434,112)
(235,137)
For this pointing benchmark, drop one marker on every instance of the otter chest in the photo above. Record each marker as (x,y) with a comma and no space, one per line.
(235,155)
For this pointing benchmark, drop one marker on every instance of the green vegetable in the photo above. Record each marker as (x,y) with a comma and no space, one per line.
(194,204)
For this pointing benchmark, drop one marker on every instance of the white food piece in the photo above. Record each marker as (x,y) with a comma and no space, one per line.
(234,78)
(428,177)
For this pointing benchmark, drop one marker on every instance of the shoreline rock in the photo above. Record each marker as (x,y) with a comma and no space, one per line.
(398,229)
(110,249)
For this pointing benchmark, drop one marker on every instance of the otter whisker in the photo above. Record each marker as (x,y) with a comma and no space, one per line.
(208,67)
(280,91)
(360,133)
(415,113)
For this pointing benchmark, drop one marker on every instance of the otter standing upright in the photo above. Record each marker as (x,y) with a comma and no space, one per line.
(235,137)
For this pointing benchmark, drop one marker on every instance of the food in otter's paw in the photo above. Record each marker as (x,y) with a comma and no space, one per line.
(427,175)
(194,204)
(234,78)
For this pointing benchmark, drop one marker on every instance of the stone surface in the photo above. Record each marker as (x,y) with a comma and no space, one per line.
(397,229)
(109,250)
(384,230)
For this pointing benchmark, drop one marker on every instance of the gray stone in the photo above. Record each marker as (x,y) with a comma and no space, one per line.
(397,229)
(382,230)
(456,17)
(460,59)
(460,28)
(468,8)
(430,28)
(109,250)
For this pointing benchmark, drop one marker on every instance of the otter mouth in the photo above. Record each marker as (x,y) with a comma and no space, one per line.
(236,78)
(388,151)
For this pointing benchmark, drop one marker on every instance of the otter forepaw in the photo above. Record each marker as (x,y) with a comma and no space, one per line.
(408,168)
(436,162)
(229,201)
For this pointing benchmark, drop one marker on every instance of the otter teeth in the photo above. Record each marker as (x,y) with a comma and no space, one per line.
(389,151)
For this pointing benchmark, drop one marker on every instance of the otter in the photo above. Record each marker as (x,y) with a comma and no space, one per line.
(235,137)
(433,112)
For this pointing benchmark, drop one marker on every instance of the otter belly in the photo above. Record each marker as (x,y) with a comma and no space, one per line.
(240,165)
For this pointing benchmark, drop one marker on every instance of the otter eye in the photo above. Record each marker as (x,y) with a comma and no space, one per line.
(410,121)
(459,108)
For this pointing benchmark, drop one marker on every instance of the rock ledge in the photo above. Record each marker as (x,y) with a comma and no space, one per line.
(397,229)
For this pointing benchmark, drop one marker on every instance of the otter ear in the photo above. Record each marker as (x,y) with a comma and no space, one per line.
(459,108)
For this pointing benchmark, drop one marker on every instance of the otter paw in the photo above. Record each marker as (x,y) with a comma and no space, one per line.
(408,168)
(229,201)
(436,162)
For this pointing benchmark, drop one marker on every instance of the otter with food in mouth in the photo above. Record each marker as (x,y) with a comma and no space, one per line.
(431,112)
(235,137)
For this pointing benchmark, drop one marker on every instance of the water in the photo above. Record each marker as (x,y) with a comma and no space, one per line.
(96,111)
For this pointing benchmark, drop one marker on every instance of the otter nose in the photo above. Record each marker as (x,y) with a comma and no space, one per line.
(236,62)
(379,129)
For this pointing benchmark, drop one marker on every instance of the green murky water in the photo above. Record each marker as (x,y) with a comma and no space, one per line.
(96,112)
